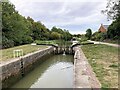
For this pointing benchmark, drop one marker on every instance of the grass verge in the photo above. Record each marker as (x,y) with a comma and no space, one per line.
(104,61)
(8,53)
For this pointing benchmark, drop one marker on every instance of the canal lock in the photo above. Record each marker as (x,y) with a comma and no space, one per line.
(63,50)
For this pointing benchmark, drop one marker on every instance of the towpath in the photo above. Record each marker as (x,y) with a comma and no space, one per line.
(109,44)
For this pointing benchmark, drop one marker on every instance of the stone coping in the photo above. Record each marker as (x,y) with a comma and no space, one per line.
(2,63)
(84,77)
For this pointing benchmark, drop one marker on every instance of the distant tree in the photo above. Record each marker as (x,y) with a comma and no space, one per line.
(77,35)
(64,34)
(99,36)
(38,30)
(88,33)
(55,35)
(83,38)
(30,19)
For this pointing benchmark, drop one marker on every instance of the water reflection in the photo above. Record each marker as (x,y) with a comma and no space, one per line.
(55,72)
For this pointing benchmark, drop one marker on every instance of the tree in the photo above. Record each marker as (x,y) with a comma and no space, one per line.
(113,12)
(99,36)
(18,30)
(112,9)
(14,26)
(88,33)
(114,30)
(64,34)
(77,35)
(55,35)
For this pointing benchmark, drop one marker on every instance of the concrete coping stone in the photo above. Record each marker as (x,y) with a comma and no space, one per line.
(84,77)
(25,56)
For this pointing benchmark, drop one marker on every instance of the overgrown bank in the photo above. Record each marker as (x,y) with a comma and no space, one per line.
(104,61)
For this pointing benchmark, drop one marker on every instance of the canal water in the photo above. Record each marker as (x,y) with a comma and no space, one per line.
(55,72)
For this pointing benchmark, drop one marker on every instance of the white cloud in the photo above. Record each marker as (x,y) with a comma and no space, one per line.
(64,13)
(57,1)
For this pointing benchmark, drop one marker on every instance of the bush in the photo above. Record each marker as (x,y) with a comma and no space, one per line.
(6,43)
(83,38)
(27,40)
(99,36)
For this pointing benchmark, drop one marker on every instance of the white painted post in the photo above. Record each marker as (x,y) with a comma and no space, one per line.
(18,53)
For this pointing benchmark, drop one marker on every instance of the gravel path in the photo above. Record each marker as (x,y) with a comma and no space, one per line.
(109,44)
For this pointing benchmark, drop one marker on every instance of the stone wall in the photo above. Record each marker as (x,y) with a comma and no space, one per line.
(15,69)
(84,77)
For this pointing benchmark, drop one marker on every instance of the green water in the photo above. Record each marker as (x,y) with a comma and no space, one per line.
(55,72)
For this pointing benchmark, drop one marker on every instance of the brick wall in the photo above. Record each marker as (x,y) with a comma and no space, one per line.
(102,29)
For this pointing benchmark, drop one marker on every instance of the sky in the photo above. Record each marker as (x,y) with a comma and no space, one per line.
(73,15)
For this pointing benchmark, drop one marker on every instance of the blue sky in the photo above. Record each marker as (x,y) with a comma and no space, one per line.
(74,15)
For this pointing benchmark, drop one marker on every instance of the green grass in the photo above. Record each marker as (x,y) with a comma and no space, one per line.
(8,53)
(104,61)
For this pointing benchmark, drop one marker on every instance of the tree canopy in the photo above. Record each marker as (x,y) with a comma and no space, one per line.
(88,33)
(18,30)
(112,9)
(113,12)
